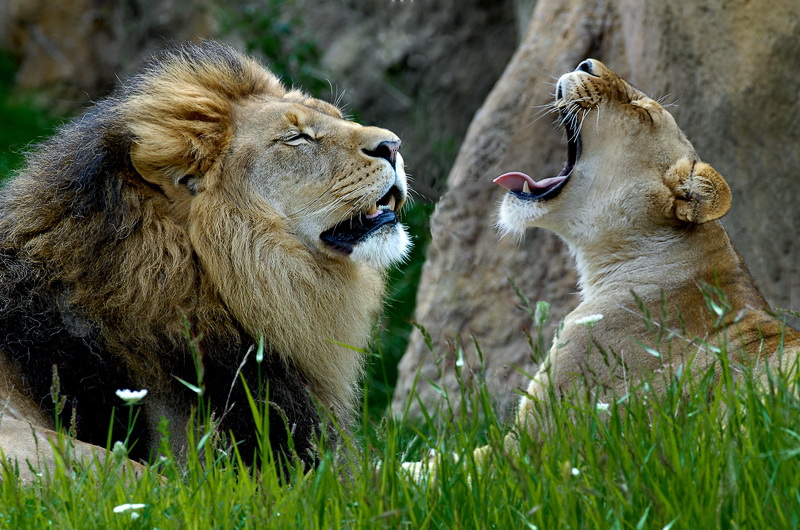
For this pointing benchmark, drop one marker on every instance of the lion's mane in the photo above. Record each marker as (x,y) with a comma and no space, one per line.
(103,276)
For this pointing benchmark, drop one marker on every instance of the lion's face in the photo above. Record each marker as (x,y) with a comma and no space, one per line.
(337,184)
(287,160)
(629,166)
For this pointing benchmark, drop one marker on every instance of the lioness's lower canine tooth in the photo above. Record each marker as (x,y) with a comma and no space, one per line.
(526,187)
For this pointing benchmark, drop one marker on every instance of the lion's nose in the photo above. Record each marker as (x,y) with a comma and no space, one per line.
(386,150)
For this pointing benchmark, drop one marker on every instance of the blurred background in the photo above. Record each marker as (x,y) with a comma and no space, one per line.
(463,83)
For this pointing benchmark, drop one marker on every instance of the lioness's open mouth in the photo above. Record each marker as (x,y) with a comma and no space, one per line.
(528,189)
(350,232)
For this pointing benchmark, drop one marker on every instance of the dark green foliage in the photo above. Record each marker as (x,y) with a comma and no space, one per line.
(270,33)
(23,121)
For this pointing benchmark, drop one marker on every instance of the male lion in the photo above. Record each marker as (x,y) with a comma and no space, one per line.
(640,212)
(201,198)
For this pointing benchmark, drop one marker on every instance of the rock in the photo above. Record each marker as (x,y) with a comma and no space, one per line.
(74,52)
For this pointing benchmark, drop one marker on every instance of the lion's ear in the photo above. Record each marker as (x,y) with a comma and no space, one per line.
(184,136)
(699,193)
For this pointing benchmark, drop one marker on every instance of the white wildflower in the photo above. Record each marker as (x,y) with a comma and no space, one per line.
(131,397)
(602,407)
(575,471)
(128,507)
(589,320)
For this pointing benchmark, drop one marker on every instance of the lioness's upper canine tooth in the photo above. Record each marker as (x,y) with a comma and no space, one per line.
(526,188)
(392,202)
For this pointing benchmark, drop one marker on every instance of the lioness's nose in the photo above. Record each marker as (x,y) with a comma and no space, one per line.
(585,66)
(386,150)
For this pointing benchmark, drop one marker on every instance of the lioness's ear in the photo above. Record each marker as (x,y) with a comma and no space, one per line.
(700,194)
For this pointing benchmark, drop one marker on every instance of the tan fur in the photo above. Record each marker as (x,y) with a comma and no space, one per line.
(220,182)
(256,203)
(640,216)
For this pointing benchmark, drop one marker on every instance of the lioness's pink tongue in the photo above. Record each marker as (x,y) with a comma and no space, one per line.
(515,181)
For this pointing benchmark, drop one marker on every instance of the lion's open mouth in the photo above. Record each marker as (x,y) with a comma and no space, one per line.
(528,189)
(350,232)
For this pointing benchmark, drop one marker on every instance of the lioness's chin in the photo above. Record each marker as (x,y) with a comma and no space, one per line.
(517,214)
(387,246)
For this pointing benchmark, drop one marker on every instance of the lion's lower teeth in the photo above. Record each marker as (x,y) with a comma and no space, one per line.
(373,211)
(526,188)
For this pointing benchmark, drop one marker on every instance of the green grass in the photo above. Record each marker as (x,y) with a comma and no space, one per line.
(681,461)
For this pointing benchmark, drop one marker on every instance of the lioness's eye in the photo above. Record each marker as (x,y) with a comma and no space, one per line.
(642,110)
(297,139)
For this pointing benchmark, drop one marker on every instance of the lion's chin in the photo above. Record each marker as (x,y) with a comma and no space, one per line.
(387,246)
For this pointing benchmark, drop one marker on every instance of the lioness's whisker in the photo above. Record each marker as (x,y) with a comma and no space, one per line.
(580,125)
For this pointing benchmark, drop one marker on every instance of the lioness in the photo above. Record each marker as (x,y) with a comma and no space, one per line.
(640,211)
(201,198)
(662,286)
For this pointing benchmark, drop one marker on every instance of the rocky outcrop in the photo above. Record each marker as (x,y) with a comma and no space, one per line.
(75,51)
(732,71)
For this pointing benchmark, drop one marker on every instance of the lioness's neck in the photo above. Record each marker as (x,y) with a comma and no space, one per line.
(669,263)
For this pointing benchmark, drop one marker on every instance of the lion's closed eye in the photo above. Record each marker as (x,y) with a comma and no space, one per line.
(298,138)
